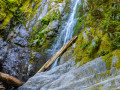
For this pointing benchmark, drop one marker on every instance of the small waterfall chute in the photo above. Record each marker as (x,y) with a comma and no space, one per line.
(56,55)
(66,33)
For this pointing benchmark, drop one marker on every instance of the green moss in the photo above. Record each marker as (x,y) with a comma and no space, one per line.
(103,52)
(53,15)
(8,8)
(92,47)
(106,74)
(16,11)
(84,60)
(80,21)
(6,21)
(101,31)
(116,53)
(116,41)
(42,41)
(45,21)
(108,59)
(84,46)
(58,1)
(34,28)
(105,45)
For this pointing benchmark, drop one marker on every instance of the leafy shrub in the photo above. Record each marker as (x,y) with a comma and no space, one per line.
(34,28)
(53,17)
(45,21)
(116,41)
(103,52)
(84,46)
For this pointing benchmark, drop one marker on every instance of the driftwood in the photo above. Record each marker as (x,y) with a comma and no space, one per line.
(10,80)
(56,55)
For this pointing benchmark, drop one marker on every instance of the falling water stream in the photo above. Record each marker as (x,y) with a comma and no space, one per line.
(66,33)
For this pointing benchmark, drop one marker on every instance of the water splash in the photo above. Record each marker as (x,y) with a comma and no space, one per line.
(66,33)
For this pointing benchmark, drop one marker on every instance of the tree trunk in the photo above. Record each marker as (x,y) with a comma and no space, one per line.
(56,55)
(10,80)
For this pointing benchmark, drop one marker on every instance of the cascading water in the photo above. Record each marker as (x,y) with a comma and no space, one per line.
(66,33)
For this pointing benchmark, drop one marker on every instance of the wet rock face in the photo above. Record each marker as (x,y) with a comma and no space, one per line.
(17,57)
(92,72)
(21,36)
(54,25)
(16,63)
(67,55)
(92,75)
(67,77)
(44,78)
(15,53)
(3,52)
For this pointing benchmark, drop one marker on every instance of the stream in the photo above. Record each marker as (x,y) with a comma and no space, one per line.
(66,33)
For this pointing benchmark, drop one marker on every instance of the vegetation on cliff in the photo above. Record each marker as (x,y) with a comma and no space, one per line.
(98,25)
(15,12)
(99,28)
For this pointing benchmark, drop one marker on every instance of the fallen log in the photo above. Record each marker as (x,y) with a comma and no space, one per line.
(10,80)
(56,55)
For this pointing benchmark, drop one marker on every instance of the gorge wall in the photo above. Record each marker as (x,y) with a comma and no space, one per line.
(27,29)
(91,63)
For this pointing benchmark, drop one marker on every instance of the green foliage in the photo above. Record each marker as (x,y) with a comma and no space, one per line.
(53,17)
(79,25)
(44,26)
(116,41)
(110,25)
(97,14)
(18,17)
(100,22)
(92,47)
(84,46)
(105,15)
(102,52)
(81,20)
(40,39)
(58,1)
(10,2)
(108,60)
(34,28)
(45,21)
(80,57)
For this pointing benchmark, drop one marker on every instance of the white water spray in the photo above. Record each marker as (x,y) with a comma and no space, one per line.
(66,33)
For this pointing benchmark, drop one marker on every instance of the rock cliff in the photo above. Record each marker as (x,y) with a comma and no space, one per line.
(29,28)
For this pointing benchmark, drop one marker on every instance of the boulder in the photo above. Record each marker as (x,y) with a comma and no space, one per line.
(67,76)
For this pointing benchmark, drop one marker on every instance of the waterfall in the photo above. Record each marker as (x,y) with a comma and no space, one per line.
(66,33)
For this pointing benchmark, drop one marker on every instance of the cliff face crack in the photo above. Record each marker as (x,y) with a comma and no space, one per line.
(19,45)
